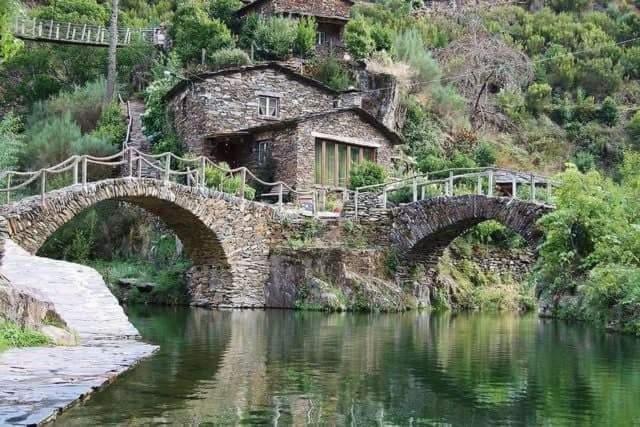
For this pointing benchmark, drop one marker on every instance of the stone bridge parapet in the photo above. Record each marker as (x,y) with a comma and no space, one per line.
(227,238)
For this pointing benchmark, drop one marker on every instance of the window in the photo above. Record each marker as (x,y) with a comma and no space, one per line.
(264,152)
(269,106)
(333,161)
(321,38)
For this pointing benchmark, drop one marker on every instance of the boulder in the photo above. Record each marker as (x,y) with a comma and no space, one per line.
(59,336)
(127,283)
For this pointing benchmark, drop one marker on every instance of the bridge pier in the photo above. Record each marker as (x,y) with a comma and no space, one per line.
(240,286)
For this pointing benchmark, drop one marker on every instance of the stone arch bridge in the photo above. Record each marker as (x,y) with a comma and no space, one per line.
(228,239)
(422,230)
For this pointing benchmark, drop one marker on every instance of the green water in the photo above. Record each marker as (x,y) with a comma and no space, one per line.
(298,368)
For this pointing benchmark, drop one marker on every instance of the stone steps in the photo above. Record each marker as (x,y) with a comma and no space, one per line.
(138,140)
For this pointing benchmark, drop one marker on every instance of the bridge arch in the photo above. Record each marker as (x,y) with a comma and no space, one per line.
(227,239)
(421,231)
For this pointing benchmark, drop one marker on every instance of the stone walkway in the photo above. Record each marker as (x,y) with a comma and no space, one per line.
(36,383)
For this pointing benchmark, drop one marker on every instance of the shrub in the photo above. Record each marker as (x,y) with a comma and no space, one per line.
(631,62)
(570,5)
(409,48)
(13,336)
(538,98)
(83,103)
(633,129)
(432,163)
(358,38)
(193,31)
(382,37)
(111,126)
(512,103)
(305,40)
(420,130)
(76,11)
(366,173)
(584,161)
(599,76)
(56,139)
(225,58)
(485,155)
(10,145)
(608,112)
(224,10)
(217,178)
(275,36)
(9,45)
(585,108)
(333,73)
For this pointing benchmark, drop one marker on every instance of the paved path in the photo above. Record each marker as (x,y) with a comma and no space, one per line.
(138,140)
(36,383)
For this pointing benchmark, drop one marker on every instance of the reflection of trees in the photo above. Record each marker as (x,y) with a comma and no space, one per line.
(298,367)
(167,380)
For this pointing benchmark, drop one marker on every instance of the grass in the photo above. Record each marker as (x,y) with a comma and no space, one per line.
(169,279)
(12,335)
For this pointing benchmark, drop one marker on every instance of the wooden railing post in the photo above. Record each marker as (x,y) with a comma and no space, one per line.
(549,192)
(491,185)
(451,190)
(140,164)
(203,169)
(533,188)
(167,167)
(130,151)
(514,186)
(84,173)
(8,188)
(355,203)
(43,186)
(280,194)
(479,185)
(75,170)
(243,182)
(414,186)
(315,204)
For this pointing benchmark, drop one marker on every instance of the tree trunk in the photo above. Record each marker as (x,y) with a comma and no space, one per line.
(113,47)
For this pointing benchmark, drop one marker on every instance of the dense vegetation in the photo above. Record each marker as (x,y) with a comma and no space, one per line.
(503,85)
(12,335)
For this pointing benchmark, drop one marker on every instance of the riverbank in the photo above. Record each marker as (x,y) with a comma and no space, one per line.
(36,384)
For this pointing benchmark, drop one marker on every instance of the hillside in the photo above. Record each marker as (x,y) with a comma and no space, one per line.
(525,86)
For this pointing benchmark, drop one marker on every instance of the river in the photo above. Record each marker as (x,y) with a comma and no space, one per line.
(296,368)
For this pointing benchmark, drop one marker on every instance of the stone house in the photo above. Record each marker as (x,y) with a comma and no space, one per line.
(279,124)
(330,15)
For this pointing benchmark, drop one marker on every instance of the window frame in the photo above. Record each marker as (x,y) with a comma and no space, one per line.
(264,149)
(321,38)
(322,158)
(269,99)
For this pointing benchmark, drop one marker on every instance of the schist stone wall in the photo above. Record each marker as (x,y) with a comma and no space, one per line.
(326,8)
(345,124)
(228,102)
(293,148)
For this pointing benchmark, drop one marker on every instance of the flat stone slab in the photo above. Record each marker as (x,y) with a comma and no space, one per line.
(77,292)
(38,383)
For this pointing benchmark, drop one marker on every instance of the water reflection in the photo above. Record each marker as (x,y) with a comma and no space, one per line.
(297,368)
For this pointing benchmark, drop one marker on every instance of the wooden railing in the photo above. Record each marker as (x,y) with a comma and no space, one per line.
(490,182)
(85,169)
(67,32)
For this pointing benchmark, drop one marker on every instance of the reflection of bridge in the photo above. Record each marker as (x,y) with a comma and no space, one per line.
(84,34)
